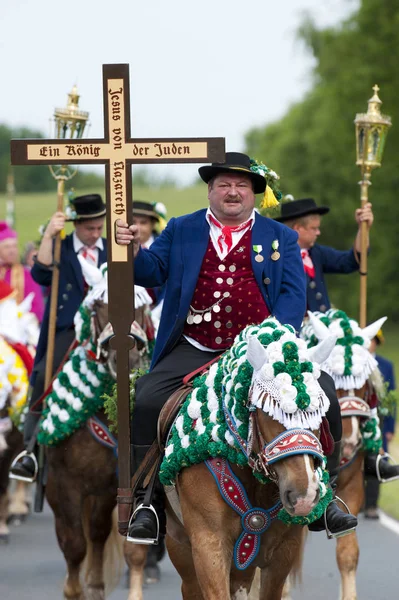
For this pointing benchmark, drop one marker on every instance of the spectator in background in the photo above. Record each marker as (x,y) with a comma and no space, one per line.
(30,251)
(16,274)
(387,426)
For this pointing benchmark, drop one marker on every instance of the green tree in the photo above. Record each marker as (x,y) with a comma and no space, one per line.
(313,146)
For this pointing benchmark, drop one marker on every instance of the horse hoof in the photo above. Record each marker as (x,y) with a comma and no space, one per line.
(17,519)
(152,574)
(95,593)
(4,539)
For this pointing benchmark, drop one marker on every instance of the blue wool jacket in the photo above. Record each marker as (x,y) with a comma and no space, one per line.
(326,260)
(175,258)
(70,290)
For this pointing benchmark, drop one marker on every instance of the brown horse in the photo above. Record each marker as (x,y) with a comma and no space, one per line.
(81,489)
(356,391)
(202,528)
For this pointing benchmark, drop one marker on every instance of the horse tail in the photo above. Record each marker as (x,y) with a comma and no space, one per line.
(113,559)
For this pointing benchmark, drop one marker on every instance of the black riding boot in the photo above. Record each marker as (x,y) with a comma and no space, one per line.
(376,465)
(339,523)
(25,467)
(148,523)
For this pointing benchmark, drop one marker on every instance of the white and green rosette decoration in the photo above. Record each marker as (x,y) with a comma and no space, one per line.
(79,390)
(350,363)
(282,381)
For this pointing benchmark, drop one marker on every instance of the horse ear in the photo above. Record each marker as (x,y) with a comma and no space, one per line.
(256,354)
(26,304)
(321,331)
(371,330)
(92,274)
(322,351)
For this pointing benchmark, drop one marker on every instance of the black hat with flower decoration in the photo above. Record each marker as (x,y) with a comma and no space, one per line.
(264,180)
(82,208)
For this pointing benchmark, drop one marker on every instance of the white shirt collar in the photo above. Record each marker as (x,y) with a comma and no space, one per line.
(78,244)
(209,212)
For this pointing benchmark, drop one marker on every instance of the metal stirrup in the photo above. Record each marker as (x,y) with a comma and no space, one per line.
(145,541)
(330,534)
(21,477)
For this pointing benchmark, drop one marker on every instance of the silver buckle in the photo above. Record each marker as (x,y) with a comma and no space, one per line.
(21,477)
(330,534)
(145,541)
(377,468)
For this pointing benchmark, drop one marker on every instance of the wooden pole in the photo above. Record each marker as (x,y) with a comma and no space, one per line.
(48,374)
(364,194)
(54,292)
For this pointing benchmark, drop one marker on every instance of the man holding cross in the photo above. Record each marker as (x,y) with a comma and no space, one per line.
(224,268)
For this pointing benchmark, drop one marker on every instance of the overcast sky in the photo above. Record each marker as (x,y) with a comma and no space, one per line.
(197,68)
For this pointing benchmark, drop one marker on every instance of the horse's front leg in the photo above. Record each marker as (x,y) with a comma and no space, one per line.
(98,513)
(4,530)
(19,503)
(212,528)
(66,503)
(135,557)
(347,547)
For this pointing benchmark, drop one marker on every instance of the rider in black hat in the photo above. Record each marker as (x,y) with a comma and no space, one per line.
(304,216)
(204,257)
(87,214)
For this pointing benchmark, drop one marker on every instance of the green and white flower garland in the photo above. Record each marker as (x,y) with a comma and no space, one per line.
(78,390)
(200,431)
(351,365)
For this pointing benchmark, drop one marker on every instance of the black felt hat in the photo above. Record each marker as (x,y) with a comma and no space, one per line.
(235,163)
(144,209)
(89,206)
(300,208)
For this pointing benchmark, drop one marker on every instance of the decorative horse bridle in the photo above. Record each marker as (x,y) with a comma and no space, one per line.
(353,406)
(287,443)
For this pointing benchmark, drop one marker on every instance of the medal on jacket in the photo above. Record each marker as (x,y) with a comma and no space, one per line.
(258,249)
(275,255)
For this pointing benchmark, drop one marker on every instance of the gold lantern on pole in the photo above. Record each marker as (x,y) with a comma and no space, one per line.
(70,123)
(371,132)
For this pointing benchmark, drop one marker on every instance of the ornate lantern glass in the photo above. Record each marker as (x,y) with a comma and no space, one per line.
(371,131)
(70,122)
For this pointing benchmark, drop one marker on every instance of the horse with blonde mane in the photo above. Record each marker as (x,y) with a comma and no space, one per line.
(244,469)
(359,388)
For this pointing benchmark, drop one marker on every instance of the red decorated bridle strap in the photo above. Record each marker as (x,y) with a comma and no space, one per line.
(352,406)
(254,521)
(291,442)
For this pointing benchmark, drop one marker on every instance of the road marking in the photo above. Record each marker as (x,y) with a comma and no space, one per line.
(389,523)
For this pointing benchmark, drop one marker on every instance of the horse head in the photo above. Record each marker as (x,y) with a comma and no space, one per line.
(355,373)
(287,405)
(101,331)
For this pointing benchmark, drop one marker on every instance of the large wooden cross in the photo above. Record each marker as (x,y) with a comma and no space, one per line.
(118,151)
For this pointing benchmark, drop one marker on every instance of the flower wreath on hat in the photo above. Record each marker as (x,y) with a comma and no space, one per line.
(272,194)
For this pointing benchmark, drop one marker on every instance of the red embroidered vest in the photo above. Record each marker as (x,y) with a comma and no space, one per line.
(227,297)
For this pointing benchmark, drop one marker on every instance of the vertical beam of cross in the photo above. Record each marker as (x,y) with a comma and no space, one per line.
(118,151)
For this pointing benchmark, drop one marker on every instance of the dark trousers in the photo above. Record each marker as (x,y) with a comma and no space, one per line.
(63,340)
(154,389)
(372,491)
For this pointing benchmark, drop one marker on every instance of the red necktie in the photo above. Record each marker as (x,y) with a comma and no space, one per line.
(308,264)
(226,232)
(89,254)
